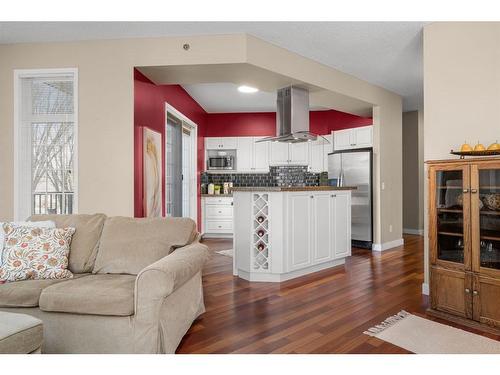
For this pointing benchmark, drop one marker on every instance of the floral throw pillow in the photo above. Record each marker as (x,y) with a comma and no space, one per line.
(35,253)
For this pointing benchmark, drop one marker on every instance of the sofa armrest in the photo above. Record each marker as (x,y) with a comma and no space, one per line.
(160,279)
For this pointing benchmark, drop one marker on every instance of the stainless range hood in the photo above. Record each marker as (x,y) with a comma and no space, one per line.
(292,116)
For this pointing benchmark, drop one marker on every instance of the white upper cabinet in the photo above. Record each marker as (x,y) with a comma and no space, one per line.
(353,138)
(289,153)
(221,143)
(279,153)
(298,153)
(342,139)
(318,154)
(245,154)
(261,156)
(252,156)
(363,137)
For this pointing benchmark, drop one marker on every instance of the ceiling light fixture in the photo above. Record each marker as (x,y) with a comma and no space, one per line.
(247,89)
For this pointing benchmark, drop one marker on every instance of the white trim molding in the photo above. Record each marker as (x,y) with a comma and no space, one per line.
(193,204)
(387,245)
(425,289)
(418,232)
(21,211)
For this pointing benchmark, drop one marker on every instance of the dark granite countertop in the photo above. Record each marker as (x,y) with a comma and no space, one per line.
(292,188)
(217,195)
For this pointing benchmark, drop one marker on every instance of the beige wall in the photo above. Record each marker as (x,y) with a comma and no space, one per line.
(461,88)
(106,111)
(413,213)
(105,69)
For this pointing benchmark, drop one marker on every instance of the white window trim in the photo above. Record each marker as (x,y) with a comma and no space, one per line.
(193,204)
(25,73)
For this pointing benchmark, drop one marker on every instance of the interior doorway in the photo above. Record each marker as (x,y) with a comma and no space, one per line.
(180,165)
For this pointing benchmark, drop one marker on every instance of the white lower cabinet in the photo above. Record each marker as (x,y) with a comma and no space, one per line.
(282,235)
(324,221)
(300,223)
(342,235)
(217,216)
(318,228)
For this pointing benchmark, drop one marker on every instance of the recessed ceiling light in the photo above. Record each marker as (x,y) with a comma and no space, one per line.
(247,89)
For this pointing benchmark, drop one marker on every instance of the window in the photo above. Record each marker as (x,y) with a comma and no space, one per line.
(46,144)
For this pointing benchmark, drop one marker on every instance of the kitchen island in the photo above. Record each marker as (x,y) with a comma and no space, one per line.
(285,232)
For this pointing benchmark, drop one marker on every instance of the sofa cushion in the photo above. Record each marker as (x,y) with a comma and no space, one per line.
(128,245)
(92,294)
(20,333)
(25,293)
(85,241)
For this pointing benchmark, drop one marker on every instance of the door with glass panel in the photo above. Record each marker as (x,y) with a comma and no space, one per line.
(449,217)
(173,166)
(449,239)
(485,209)
(485,228)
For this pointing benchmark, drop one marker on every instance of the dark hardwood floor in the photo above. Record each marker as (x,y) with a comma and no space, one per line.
(326,312)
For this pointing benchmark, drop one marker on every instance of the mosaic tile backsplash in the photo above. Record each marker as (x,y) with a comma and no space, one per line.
(277,176)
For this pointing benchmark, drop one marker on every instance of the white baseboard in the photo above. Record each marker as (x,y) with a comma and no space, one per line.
(425,289)
(418,232)
(387,245)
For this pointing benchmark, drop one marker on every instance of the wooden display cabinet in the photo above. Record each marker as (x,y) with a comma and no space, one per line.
(464,240)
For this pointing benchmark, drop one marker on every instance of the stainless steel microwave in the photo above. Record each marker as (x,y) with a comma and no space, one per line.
(220,162)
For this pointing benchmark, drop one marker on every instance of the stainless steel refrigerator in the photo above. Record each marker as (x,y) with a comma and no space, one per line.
(354,168)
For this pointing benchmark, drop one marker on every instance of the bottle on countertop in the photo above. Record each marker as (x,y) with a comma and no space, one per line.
(211,189)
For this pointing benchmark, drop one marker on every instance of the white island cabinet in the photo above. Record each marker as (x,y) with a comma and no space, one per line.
(283,233)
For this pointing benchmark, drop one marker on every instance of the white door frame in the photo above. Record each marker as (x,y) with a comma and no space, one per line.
(193,204)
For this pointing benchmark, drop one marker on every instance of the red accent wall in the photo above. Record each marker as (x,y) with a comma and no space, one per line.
(264,123)
(149,111)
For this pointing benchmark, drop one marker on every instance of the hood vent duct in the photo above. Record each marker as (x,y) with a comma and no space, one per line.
(292,116)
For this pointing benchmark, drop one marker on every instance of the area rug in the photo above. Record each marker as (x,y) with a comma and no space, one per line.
(423,336)
(228,253)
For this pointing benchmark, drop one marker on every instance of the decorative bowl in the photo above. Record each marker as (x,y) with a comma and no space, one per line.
(479,147)
(494,147)
(465,148)
(492,201)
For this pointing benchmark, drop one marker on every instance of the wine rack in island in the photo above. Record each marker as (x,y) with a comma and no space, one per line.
(260,251)
(464,240)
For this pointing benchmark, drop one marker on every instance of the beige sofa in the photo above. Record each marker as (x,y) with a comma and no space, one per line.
(136,286)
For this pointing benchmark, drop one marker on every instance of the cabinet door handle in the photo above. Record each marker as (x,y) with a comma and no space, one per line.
(312,196)
(475,292)
(465,190)
(220,212)
(467,290)
(473,191)
(333,195)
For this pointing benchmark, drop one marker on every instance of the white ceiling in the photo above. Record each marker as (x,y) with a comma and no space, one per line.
(225,97)
(388,54)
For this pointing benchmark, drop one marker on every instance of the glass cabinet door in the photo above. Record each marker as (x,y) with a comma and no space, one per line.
(452,203)
(485,207)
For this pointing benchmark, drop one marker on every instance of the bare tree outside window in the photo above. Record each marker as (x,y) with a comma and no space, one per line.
(52,146)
